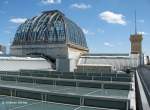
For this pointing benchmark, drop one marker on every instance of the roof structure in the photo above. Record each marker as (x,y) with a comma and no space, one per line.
(51,27)
(19,63)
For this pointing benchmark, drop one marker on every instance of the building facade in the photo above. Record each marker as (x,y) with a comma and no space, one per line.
(2,50)
(136,43)
(55,37)
(51,35)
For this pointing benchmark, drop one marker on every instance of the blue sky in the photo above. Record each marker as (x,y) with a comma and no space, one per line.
(107,24)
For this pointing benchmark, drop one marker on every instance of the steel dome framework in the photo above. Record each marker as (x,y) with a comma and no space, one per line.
(51,27)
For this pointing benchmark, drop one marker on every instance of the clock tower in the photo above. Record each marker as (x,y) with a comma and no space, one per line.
(136,46)
(136,43)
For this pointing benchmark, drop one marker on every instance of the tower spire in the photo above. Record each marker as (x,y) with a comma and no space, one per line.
(135,22)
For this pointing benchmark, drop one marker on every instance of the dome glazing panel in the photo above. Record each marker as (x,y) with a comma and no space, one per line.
(51,27)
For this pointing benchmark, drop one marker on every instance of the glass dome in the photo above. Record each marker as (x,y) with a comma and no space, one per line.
(51,27)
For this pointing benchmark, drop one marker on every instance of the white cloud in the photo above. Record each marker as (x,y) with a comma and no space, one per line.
(81,6)
(119,43)
(141,21)
(5,2)
(100,30)
(108,44)
(2,12)
(143,33)
(12,27)
(111,17)
(7,32)
(87,32)
(46,2)
(18,20)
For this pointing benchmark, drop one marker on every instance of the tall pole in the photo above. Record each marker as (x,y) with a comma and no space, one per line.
(140,53)
(135,23)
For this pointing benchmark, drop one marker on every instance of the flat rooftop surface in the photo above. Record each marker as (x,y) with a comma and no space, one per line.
(67,90)
(15,103)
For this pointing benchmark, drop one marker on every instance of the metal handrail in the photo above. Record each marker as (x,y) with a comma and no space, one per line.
(144,99)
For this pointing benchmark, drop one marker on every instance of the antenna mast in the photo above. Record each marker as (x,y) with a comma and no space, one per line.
(135,23)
